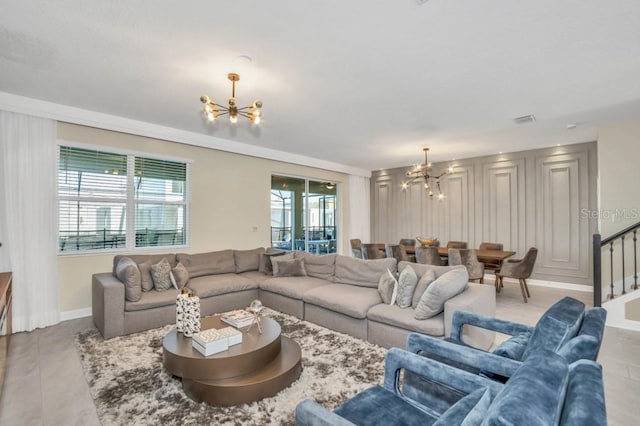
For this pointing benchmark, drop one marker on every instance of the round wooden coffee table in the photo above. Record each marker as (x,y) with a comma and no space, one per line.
(259,367)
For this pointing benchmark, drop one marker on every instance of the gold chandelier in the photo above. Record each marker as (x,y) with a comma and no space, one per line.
(212,110)
(421,171)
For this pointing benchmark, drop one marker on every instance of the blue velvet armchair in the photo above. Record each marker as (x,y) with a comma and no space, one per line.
(545,390)
(566,328)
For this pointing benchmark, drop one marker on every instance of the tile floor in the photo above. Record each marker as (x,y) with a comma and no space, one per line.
(45,383)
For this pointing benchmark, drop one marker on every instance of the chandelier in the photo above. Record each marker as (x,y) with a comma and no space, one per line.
(212,110)
(421,171)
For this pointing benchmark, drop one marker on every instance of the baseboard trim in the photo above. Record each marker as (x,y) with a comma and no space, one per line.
(77,313)
(543,283)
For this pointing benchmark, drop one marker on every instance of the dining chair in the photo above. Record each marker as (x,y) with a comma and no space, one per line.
(356,248)
(493,265)
(373,251)
(457,245)
(520,269)
(428,256)
(398,252)
(409,245)
(469,259)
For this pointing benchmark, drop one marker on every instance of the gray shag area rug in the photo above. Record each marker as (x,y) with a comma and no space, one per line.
(129,385)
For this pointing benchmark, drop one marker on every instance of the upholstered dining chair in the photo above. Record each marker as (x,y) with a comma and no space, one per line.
(494,265)
(457,244)
(520,269)
(356,248)
(398,252)
(469,259)
(373,251)
(428,256)
(409,245)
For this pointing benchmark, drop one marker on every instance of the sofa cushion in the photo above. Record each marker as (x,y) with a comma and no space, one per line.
(140,258)
(290,268)
(365,273)
(127,271)
(388,288)
(294,287)
(255,276)
(214,262)
(161,274)
(247,260)
(153,299)
(323,267)
(213,285)
(407,282)
(404,318)
(354,301)
(425,280)
(445,287)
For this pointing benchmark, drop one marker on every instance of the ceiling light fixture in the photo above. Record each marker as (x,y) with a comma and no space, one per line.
(211,110)
(422,171)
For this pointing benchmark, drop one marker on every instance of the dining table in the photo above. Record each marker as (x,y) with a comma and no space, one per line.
(488,257)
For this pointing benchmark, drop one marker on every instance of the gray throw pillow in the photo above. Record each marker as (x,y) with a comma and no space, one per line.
(407,282)
(388,287)
(127,271)
(180,276)
(426,279)
(145,275)
(444,288)
(290,268)
(161,273)
(275,260)
(265,262)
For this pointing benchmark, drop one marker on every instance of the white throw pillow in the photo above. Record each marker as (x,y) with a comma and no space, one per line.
(407,282)
(388,287)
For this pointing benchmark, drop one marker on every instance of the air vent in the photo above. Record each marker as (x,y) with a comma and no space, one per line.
(525,119)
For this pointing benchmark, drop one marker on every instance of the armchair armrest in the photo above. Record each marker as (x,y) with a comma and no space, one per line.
(310,413)
(461,318)
(475,358)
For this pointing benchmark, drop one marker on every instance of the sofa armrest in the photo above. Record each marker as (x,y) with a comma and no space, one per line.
(479,299)
(310,413)
(107,300)
(462,318)
(476,359)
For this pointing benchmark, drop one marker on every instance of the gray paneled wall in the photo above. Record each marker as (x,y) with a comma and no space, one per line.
(521,199)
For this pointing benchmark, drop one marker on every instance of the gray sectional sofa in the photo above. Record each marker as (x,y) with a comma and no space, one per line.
(337,292)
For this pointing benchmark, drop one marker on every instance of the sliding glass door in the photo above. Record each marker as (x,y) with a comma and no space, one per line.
(303,214)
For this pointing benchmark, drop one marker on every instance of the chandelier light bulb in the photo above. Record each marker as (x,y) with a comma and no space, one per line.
(211,116)
(426,185)
(233,119)
(256,119)
(450,169)
(440,196)
(404,185)
(430,193)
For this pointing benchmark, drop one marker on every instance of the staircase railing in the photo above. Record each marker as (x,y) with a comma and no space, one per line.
(598,244)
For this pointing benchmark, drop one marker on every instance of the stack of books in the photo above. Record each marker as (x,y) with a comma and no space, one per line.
(212,341)
(238,318)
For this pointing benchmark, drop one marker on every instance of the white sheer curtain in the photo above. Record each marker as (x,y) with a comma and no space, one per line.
(29,217)
(359,208)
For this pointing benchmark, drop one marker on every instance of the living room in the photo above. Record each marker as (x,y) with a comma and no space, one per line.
(374,107)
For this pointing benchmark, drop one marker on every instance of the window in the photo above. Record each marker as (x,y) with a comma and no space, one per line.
(303,214)
(109,200)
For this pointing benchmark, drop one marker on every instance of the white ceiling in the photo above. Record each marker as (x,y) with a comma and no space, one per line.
(366,83)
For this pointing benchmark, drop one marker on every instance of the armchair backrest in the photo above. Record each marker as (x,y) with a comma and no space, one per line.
(586,345)
(584,403)
(560,323)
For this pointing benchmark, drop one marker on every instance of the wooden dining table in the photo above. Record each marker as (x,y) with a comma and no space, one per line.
(489,257)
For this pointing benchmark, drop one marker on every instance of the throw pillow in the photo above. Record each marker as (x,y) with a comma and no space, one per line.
(127,271)
(426,279)
(442,289)
(290,268)
(388,288)
(275,260)
(407,282)
(265,262)
(180,276)
(145,275)
(161,273)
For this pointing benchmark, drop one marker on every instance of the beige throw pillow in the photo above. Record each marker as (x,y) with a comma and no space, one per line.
(161,273)
(266,267)
(127,271)
(388,287)
(275,260)
(180,276)
(426,279)
(145,275)
(444,288)
(407,282)
(290,268)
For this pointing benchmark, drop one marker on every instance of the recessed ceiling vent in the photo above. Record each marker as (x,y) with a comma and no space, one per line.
(525,119)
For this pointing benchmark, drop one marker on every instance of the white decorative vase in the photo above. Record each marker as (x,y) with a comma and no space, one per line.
(188,313)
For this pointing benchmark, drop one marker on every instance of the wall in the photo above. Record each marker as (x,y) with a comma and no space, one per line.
(523,199)
(229,196)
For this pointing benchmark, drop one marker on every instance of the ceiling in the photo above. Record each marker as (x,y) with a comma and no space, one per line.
(365,83)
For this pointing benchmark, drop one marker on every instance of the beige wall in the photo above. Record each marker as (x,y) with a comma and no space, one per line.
(229,196)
